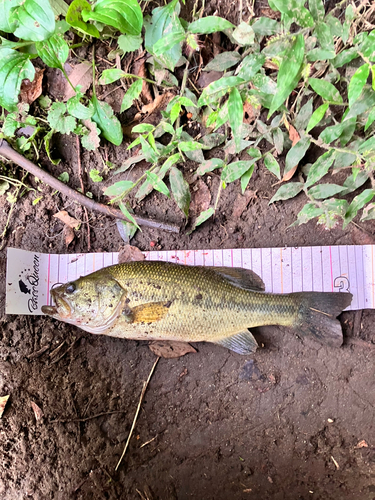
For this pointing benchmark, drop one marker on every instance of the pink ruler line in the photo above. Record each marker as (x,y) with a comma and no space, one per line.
(372,269)
(48,287)
(330,262)
(281,270)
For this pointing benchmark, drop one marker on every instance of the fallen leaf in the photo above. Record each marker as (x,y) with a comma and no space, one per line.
(128,253)
(56,81)
(241,203)
(30,91)
(362,444)
(267,12)
(159,103)
(360,237)
(68,235)
(37,411)
(293,135)
(271,65)
(81,75)
(170,349)
(208,77)
(200,197)
(67,219)
(92,139)
(249,112)
(3,402)
(139,68)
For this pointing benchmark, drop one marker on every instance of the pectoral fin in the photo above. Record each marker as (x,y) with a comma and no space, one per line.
(148,313)
(242,278)
(241,343)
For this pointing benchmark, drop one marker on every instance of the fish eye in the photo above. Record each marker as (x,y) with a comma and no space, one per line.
(70,288)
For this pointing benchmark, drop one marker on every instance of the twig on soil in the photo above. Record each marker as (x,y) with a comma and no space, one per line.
(55,351)
(66,352)
(145,385)
(85,419)
(7,152)
(83,192)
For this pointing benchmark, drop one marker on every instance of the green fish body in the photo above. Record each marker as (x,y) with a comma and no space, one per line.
(165,301)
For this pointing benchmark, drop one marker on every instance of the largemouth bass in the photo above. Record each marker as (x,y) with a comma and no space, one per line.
(165,301)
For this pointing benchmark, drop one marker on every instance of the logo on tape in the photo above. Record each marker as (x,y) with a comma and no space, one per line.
(29,282)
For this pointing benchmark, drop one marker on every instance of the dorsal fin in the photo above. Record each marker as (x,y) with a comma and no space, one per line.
(242,278)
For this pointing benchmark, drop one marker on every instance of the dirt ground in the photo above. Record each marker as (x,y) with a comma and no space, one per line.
(295,421)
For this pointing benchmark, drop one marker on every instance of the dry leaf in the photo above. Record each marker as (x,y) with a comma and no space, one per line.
(200,198)
(362,444)
(271,65)
(267,12)
(241,203)
(56,80)
(159,103)
(3,402)
(93,137)
(128,253)
(30,91)
(81,75)
(66,219)
(37,411)
(170,349)
(208,77)
(69,235)
(360,237)
(293,135)
(249,112)
(139,68)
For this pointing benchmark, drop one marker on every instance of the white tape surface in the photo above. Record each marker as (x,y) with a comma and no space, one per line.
(30,275)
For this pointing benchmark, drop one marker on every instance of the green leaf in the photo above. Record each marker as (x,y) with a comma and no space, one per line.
(180,190)
(90,138)
(168,42)
(209,166)
(294,10)
(235,111)
(143,127)
(371,116)
(6,7)
(358,202)
(278,140)
(368,146)
(235,170)
(209,24)
(254,153)
(325,37)
(322,191)
(64,177)
(244,34)
(264,26)
(287,191)
(250,66)
(295,154)
(319,54)
(309,211)
(325,90)
(213,140)
(120,188)
(169,163)
(10,125)
(368,212)
(190,146)
(54,51)
(272,165)
(364,102)
(345,57)
(303,117)
(35,20)
(148,151)
(14,67)
(77,109)
(320,167)
(157,183)
(109,125)
(330,134)
(124,15)
(111,75)
(289,73)
(223,61)
(95,175)
(58,121)
(317,116)
(203,216)
(357,82)
(75,19)
(59,7)
(215,90)
(246,178)
(129,43)
(348,128)
(127,214)
(316,7)
(354,181)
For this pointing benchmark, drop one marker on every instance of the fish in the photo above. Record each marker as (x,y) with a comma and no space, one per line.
(150,300)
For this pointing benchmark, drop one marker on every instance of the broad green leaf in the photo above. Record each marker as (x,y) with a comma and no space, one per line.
(320,167)
(254,153)
(180,190)
(75,19)
(316,7)
(64,177)
(209,166)
(250,66)
(371,116)
(149,152)
(343,160)
(111,75)
(235,111)
(59,7)
(246,178)
(304,115)
(118,188)
(126,230)
(325,90)
(10,125)
(143,127)
(222,116)
(190,146)
(319,54)
(309,211)
(317,116)
(129,43)
(235,170)
(364,102)
(345,57)
(127,214)
(325,37)
(334,25)
(212,140)
(330,134)
(58,121)
(357,82)
(77,109)
(289,73)
(287,191)
(368,212)
(35,20)
(295,154)
(168,42)
(54,51)
(109,125)
(278,140)
(133,92)
(295,11)
(209,24)
(358,202)
(164,20)
(124,15)
(354,181)
(215,90)
(203,217)
(264,26)
(322,191)
(367,47)
(367,146)
(6,7)
(244,34)
(223,61)
(348,128)
(272,165)
(95,175)
(14,67)
(172,160)
(157,183)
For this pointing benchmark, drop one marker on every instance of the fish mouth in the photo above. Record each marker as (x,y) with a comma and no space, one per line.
(60,310)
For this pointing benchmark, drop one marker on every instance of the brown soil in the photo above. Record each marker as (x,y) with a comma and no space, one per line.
(284,424)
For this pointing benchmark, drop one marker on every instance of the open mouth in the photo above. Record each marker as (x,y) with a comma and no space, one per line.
(62,309)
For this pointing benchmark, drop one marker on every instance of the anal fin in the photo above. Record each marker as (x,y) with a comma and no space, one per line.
(241,343)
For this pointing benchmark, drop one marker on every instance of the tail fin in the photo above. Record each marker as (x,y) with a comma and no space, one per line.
(317,315)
